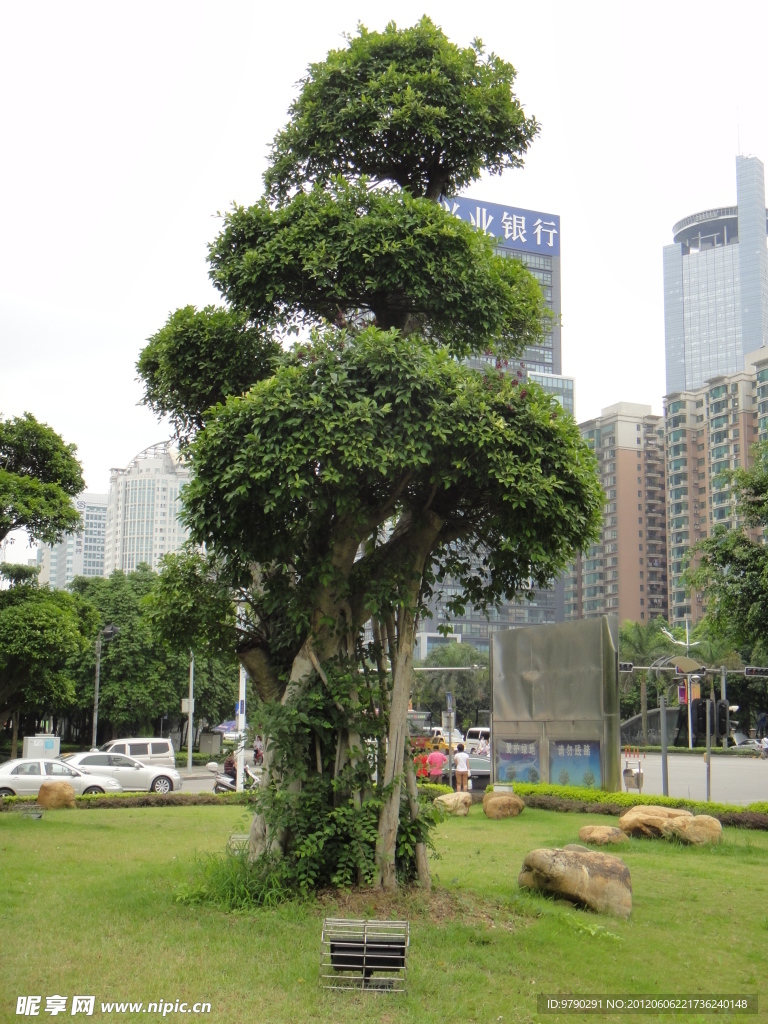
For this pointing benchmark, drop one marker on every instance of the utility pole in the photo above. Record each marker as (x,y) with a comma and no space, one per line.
(191,717)
(107,633)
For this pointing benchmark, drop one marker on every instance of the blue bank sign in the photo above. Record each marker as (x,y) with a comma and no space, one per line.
(512,228)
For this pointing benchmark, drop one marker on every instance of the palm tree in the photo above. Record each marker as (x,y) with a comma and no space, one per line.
(642,643)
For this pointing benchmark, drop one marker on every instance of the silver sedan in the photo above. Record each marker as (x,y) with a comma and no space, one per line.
(24,776)
(130,773)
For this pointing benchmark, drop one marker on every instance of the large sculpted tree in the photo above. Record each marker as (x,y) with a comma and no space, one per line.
(340,480)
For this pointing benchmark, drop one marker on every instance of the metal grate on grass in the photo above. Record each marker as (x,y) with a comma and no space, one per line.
(364,955)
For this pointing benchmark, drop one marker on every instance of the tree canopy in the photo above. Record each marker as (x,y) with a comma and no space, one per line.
(141,679)
(41,631)
(405,106)
(39,475)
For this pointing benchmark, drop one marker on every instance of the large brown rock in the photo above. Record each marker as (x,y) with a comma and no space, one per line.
(455,803)
(602,835)
(699,830)
(587,878)
(649,821)
(54,795)
(502,805)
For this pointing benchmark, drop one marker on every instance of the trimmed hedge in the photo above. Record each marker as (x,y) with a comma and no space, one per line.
(597,801)
(433,789)
(111,800)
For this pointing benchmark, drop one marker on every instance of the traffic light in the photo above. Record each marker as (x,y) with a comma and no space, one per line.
(625,666)
(755,670)
(699,718)
(722,719)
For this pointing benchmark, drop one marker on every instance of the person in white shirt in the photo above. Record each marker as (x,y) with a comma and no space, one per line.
(461,761)
(482,750)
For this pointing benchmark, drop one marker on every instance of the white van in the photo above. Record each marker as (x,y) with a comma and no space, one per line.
(147,749)
(474,735)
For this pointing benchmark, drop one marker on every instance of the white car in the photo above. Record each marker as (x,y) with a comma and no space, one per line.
(128,771)
(25,775)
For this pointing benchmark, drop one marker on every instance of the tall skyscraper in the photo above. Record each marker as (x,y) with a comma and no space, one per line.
(78,554)
(716,285)
(625,572)
(142,521)
(534,239)
(709,430)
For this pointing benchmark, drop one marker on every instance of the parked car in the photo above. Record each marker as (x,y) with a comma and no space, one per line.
(25,775)
(128,771)
(147,749)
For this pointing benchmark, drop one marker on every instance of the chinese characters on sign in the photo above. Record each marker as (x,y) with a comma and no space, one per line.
(517,760)
(574,763)
(512,228)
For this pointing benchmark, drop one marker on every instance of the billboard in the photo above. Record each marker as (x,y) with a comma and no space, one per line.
(555,704)
(511,226)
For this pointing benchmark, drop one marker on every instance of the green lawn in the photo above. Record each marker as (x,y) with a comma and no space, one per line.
(87,905)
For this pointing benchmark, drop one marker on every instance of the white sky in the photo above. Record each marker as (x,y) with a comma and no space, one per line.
(125,127)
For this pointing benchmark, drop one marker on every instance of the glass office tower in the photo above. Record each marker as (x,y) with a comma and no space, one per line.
(716,285)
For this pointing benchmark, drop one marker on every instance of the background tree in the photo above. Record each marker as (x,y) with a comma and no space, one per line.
(641,643)
(471,690)
(141,680)
(41,630)
(370,437)
(39,474)
(733,571)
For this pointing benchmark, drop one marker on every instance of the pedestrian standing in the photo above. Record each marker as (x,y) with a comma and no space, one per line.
(436,761)
(461,762)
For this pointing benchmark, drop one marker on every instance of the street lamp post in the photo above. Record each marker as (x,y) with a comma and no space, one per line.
(107,633)
(687,644)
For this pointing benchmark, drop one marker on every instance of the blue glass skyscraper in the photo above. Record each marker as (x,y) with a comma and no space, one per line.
(716,285)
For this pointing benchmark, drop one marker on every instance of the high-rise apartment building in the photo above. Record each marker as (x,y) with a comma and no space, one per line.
(625,573)
(78,554)
(716,285)
(534,239)
(142,522)
(709,430)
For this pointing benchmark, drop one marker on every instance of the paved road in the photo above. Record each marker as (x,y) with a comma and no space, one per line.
(734,780)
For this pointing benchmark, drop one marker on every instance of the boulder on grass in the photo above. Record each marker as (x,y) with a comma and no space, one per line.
(649,821)
(502,805)
(587,878)
(602,835)
(54,795)
(455,803)
(699,830)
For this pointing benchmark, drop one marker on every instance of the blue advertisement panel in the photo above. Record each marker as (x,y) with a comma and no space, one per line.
(517,760)
(574,764)
(513,228)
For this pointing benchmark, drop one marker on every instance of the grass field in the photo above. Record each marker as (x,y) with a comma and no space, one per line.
(87,906)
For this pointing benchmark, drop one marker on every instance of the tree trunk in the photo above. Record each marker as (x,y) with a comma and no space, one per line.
(15,737)
(418,542)
(422,864)
(644,707)
(398,726)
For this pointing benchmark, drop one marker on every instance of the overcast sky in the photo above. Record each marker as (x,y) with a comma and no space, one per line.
(125,127)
